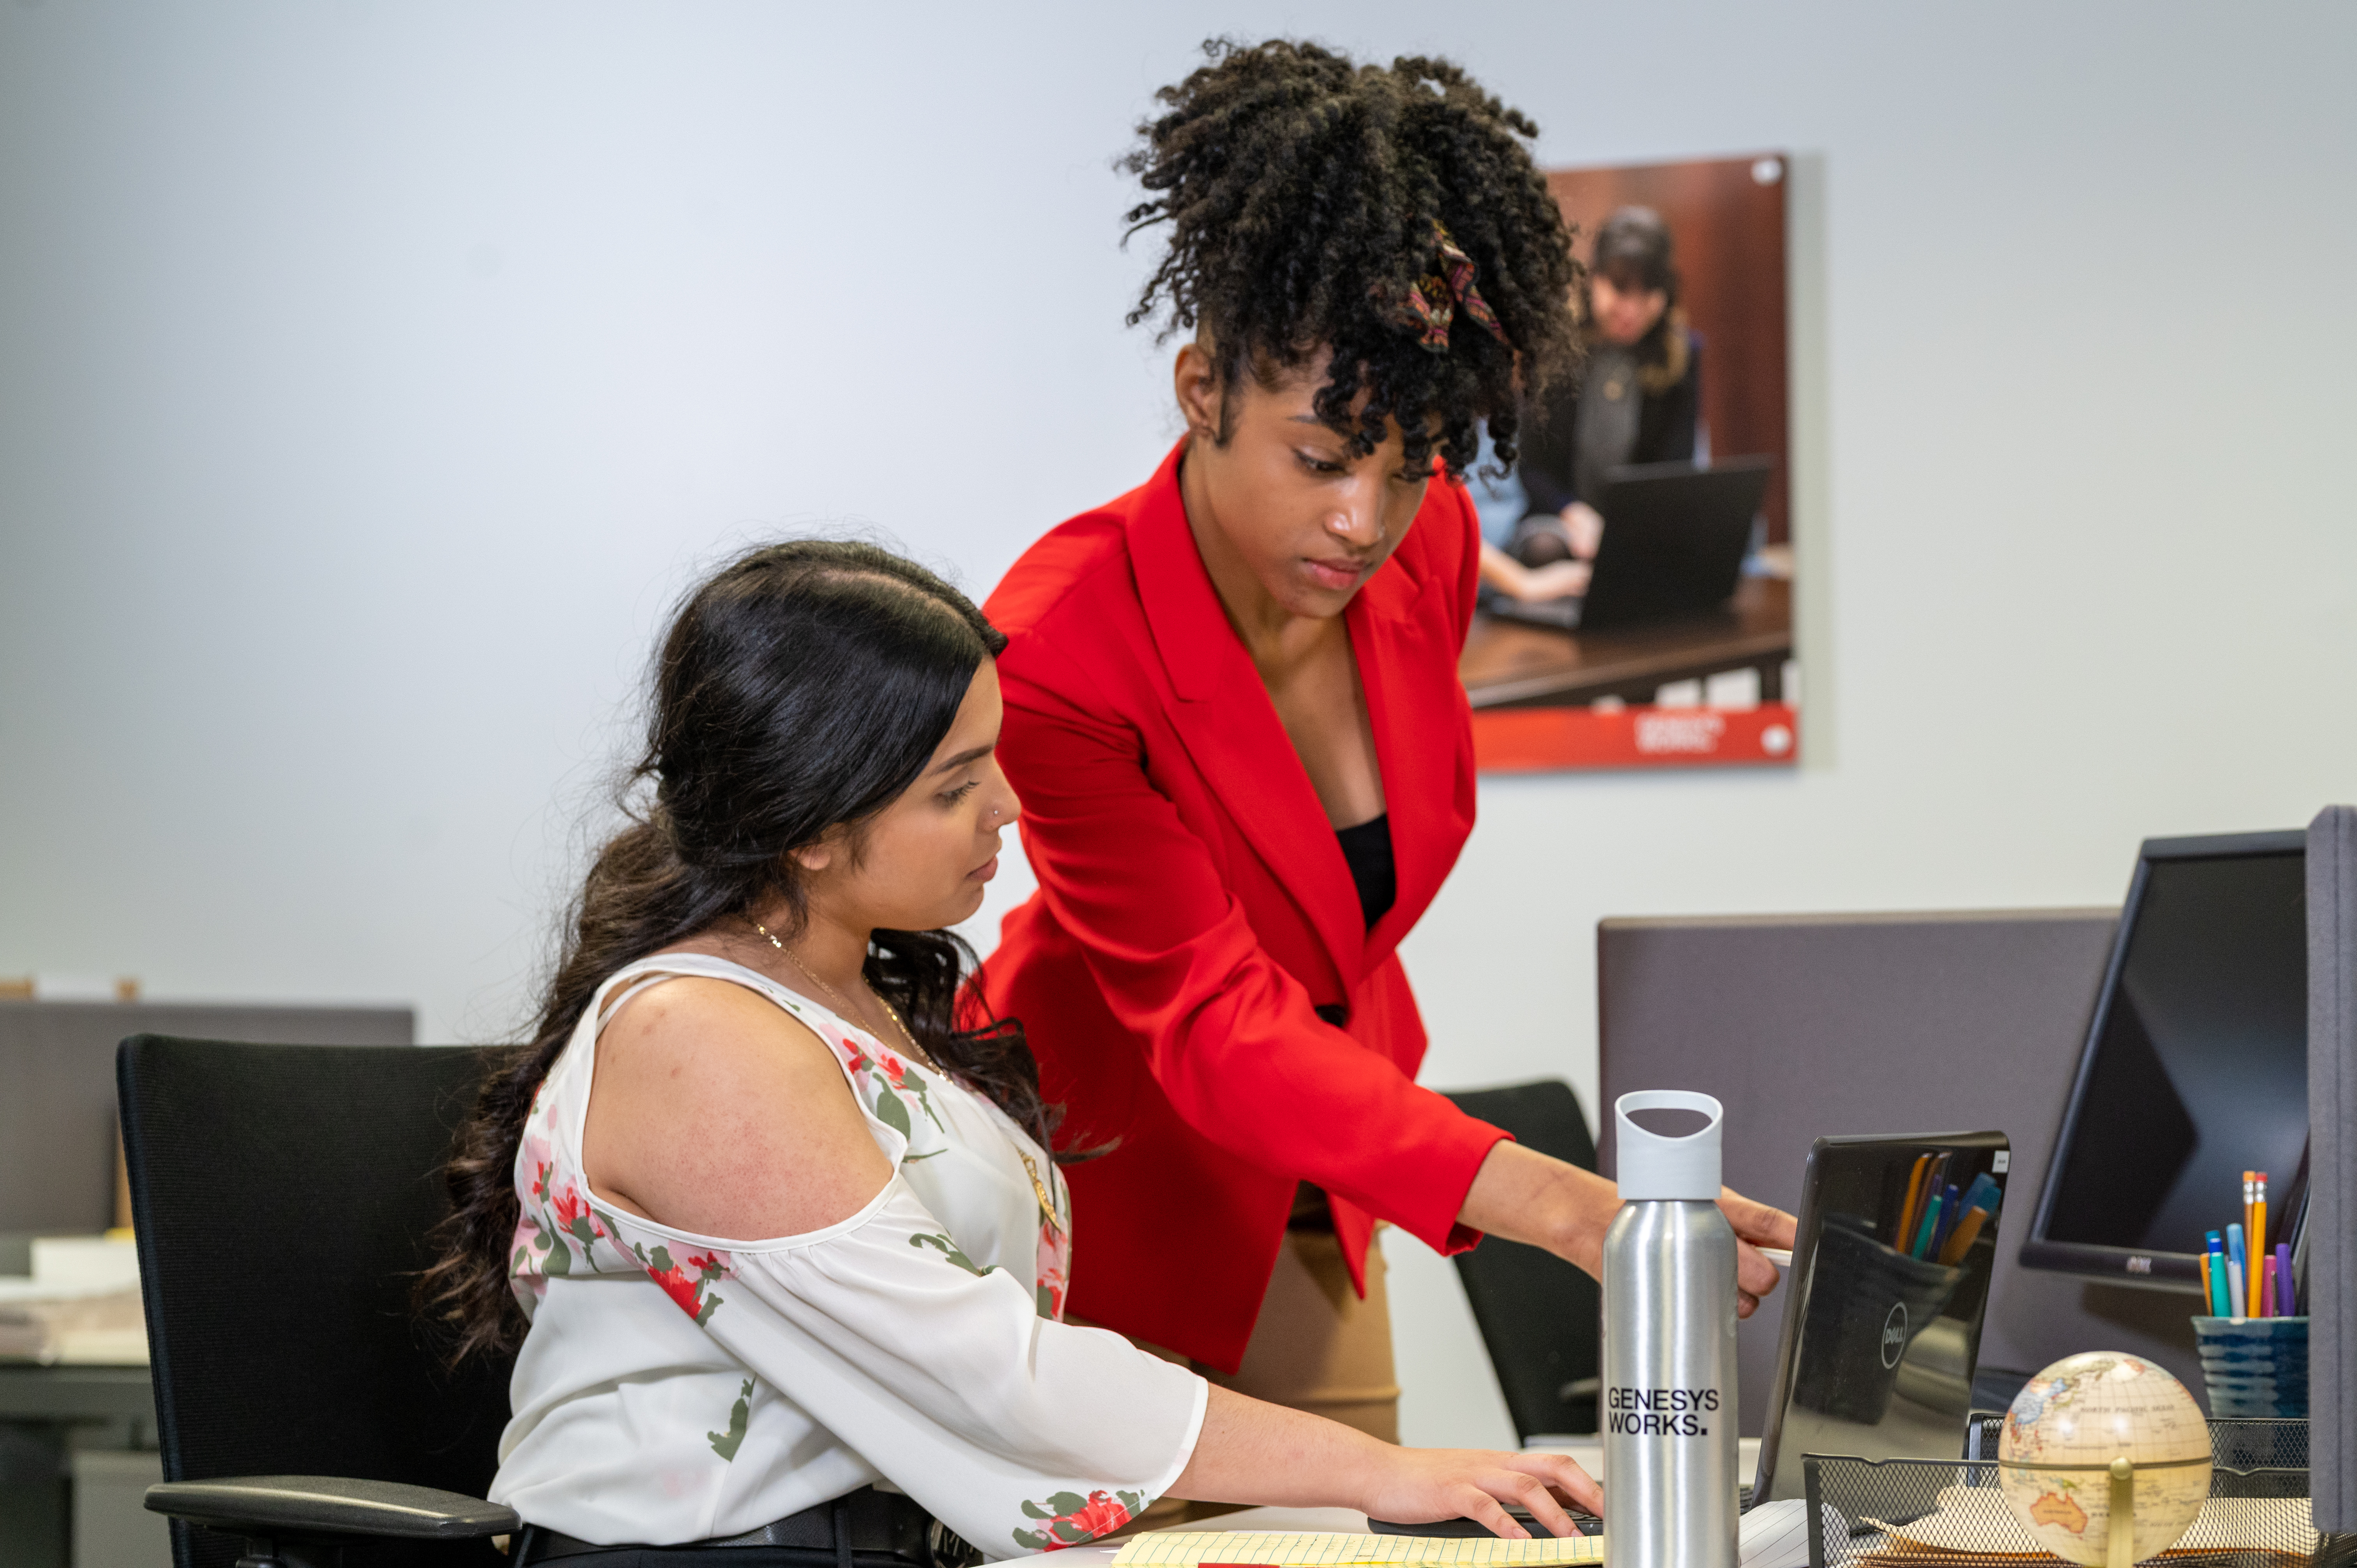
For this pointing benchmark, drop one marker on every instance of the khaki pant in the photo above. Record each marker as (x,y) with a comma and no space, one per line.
(1315,1347)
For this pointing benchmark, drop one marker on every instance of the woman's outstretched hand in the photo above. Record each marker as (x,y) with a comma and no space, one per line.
(1253,1453)
(1526,1196)
(1423,1485)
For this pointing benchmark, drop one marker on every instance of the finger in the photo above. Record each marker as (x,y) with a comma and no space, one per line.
(1563,1473)
(1757,1222)
(1486,1511)
(1753,1273)
(1532,1493)
(1745,1304)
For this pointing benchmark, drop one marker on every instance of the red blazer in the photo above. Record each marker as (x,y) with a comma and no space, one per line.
(1194,907)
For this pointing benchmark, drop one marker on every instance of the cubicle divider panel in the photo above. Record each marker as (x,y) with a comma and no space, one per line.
(1810,1025)
(2332,1162)
(57,1121)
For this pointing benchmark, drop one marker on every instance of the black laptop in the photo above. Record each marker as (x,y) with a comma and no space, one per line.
(1675,539)
(1884,1301)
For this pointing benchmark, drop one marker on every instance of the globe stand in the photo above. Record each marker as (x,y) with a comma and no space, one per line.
(2120,1549)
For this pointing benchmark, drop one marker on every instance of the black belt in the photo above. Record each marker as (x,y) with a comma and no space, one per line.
(883,1528)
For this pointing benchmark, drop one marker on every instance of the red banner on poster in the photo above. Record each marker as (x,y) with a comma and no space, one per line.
(1533,740)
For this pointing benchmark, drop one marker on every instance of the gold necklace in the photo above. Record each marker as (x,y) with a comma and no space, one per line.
(1039,1191)
(845,1002)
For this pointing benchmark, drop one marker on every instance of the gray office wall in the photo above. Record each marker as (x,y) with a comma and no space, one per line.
(1812,1026)
(57,1119)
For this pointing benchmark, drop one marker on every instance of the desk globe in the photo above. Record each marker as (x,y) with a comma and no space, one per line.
(2064,1430)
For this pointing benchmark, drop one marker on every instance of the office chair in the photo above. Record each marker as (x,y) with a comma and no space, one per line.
(1540,1319)
(282,1195)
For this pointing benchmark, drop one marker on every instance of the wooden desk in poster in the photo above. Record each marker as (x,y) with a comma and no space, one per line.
(1507,665)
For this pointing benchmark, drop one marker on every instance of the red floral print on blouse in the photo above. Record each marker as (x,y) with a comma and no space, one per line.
(1077,1519)
(687,1283)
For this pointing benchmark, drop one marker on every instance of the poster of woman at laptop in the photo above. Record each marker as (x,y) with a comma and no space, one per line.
(1637,573)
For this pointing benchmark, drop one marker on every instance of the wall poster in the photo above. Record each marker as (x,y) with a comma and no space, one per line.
(1647,520)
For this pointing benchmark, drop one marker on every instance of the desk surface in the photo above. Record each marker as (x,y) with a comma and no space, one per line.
(1509,665)
(1587,1452)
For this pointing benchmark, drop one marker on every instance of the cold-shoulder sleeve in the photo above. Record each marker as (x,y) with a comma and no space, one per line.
(1020,1433)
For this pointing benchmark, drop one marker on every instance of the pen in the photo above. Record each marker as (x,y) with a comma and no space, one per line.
(2286,1291)
(1951,1210)
(1923,1236)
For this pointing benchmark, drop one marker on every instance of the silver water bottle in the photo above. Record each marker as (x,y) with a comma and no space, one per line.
(1668,1405)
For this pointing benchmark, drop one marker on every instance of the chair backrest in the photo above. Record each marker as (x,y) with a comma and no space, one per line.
(282,1195)
(1541,1318)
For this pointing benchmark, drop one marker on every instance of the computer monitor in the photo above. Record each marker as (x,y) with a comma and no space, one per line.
(2194,1069)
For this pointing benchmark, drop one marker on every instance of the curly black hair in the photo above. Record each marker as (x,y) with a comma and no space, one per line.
(1302,191)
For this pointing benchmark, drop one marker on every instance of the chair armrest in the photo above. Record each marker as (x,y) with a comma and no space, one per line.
(330,1505)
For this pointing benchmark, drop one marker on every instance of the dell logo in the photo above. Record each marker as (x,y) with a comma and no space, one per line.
(1894,1334)
(2139,1265)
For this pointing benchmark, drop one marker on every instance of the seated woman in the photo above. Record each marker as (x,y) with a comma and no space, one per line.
(773,1224)
(1636,401)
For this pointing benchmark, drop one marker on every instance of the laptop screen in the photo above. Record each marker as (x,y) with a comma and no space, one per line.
(1882,1311)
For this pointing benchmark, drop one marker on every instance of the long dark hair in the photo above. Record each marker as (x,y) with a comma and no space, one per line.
(804,685)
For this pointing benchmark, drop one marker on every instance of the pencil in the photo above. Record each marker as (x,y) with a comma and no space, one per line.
(2259,1228)
(1906,1231)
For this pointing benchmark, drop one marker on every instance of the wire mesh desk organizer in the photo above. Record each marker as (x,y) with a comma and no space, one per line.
(1948,1513)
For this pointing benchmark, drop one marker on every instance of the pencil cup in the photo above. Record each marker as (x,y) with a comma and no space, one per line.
(2254,1366)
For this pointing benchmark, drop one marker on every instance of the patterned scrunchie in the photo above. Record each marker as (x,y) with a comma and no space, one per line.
(1435,298)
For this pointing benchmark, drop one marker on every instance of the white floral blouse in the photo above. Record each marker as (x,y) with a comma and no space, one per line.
(675,1387)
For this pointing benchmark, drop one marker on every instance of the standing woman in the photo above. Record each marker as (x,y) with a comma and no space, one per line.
(1233,715)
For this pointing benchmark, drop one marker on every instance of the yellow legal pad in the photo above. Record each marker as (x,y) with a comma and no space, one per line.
(1190,1548)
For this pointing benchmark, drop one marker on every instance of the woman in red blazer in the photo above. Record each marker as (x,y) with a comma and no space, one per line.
(1245,756)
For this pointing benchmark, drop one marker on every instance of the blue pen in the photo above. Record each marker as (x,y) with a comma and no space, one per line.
(1951,1210)
(2217,1276)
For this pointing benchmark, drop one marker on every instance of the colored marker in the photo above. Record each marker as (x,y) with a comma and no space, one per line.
(2286,1290)
(2217,1271)
(2268,1291)
(1923,1233)
(2209,1285)
(1961,1238)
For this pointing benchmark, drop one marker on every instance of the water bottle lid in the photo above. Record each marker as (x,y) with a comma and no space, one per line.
(1653,1167)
